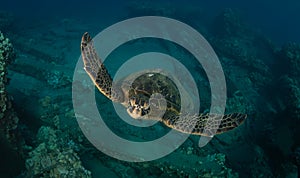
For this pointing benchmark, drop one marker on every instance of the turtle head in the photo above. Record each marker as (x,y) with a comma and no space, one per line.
(138,107)
(144,107)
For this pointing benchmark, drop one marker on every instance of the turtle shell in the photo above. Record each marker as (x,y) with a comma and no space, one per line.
(151,83)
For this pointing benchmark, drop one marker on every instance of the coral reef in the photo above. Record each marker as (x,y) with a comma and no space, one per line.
(184,162)
(11,140)
(237,44)
(55,116)
(57,79)
(211,165)
(196,164)
(288,72)
(289,60)
(8,118)
(296,158)
(52,158)
(253,71)
(290,102)
(237,103)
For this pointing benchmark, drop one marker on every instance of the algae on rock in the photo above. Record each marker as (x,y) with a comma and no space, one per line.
(52,159)
(8,118)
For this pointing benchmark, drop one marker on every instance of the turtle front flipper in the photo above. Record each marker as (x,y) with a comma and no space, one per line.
(97,71)
(204,124)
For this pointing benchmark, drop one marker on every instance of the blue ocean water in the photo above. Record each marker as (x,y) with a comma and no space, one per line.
(258,48)
(278,20)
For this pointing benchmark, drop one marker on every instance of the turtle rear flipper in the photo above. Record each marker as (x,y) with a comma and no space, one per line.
(96,70)
(231,121)
(204,124)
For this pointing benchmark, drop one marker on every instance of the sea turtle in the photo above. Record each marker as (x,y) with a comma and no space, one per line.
(136,97)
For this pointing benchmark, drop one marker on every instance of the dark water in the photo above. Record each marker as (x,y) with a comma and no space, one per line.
(278,20)
(257,44)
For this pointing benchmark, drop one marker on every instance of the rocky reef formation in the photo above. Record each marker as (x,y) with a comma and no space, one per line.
(288,72)
(289,59)
(213,165)
(268,78)
(54,158)
(10,139)
(8,118)
(286,99)
(56,140)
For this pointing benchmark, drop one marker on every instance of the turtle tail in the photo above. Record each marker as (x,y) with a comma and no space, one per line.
(95,68)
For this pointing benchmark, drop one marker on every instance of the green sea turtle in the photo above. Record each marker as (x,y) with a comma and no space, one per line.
(136,96)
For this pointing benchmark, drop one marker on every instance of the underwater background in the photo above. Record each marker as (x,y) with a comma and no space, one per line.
(258,45)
